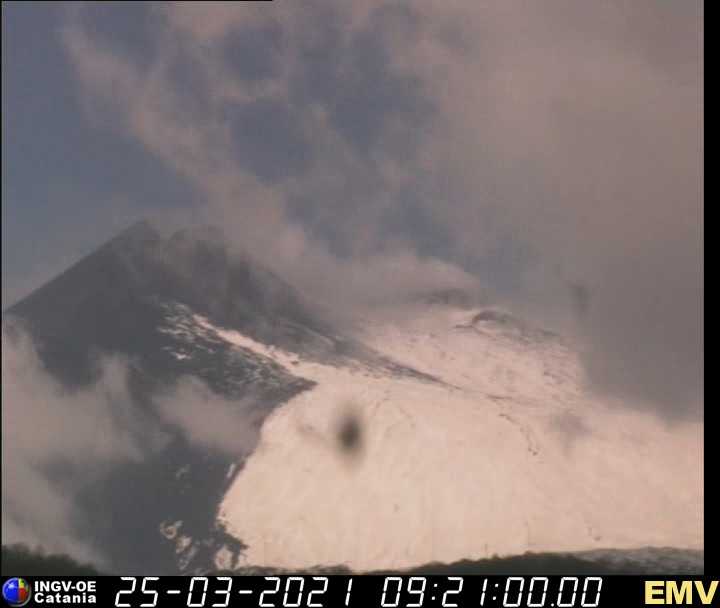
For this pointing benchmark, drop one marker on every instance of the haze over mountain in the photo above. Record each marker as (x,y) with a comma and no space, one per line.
(199,413)
(451,305)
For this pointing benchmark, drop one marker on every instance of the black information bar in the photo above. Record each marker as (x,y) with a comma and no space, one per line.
(315,591)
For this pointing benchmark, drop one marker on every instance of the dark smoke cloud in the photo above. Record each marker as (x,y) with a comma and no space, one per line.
(553,152)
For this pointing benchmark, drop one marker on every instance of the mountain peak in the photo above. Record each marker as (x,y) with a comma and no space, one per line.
(141,229)
(116,293)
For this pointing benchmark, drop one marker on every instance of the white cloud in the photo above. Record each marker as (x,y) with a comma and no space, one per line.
(205,419)
(47,430)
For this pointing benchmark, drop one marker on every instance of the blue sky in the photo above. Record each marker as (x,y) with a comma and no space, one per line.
(57,166)
(528,148)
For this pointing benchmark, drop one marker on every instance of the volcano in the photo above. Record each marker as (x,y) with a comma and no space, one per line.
(453,431)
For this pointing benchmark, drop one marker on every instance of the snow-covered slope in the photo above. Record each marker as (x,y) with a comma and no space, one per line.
(508,452)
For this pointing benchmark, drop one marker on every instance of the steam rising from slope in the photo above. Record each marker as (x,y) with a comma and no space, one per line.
(55,442)
(207,420)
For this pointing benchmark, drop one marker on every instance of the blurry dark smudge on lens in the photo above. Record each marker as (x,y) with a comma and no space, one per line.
(349,433)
